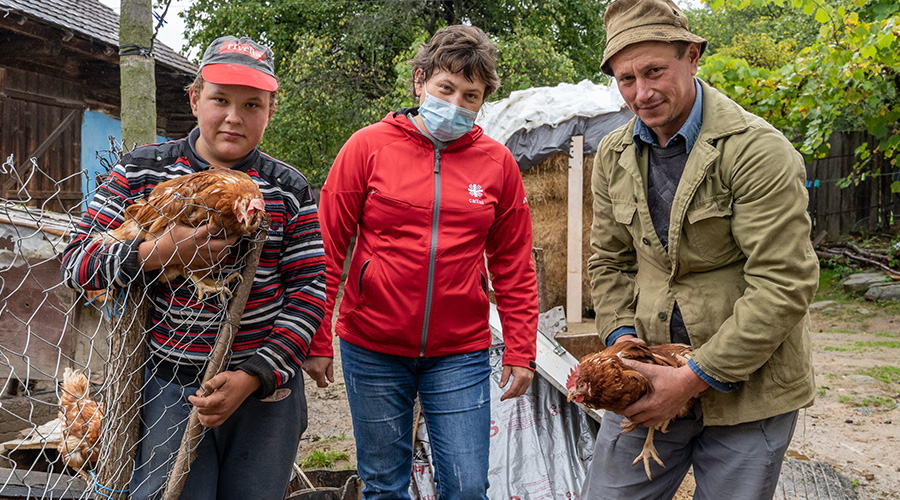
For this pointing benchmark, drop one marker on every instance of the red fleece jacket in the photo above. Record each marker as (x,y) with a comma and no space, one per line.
(417,283)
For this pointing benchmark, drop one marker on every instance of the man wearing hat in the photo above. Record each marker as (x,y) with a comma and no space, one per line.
(700,236)
(255,411)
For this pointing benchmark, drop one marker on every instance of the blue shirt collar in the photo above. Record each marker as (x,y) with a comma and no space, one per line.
(689,131)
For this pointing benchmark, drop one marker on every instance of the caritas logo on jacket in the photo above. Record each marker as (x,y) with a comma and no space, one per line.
(242,48)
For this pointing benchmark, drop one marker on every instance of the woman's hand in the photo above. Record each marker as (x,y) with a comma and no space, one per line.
(521,380)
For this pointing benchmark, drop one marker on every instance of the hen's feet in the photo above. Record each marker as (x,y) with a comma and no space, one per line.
(209,286)
(648,452)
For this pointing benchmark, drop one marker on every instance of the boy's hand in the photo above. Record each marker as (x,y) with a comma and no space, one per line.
(320,369)
(225,393)
(194,247)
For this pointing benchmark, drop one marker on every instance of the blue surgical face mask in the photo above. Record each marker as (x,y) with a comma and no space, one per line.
(445,121)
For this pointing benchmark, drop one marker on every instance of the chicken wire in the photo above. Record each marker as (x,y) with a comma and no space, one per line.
(46,327)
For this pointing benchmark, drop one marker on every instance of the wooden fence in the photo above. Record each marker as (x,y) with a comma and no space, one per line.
(865,208)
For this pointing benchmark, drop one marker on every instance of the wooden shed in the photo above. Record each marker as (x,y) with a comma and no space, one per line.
(59,96)
(59,104)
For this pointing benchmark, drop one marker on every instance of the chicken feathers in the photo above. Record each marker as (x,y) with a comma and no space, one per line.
(603,381)
(81,419)
(227,198)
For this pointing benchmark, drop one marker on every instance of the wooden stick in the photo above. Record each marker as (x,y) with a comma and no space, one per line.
(55,232)
(828,253)
(575,231)
(859,258)
(416,423)
(869,254)
(194,431)
(302,474)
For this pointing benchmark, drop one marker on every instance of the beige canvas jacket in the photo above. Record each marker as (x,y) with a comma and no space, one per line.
(740,263)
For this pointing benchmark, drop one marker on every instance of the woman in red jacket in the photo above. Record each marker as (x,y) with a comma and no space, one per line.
(427,195)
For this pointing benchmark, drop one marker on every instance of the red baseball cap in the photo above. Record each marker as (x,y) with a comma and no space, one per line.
(239,61)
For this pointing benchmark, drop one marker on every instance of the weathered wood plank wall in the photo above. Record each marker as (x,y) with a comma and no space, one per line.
(32,109)
(866,207)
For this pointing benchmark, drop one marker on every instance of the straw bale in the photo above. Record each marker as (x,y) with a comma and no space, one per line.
(546,185)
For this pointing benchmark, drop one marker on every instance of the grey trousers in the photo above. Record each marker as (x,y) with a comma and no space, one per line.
(250,456)
(738,462)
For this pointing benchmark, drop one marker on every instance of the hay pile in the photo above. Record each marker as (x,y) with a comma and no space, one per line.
(546,185)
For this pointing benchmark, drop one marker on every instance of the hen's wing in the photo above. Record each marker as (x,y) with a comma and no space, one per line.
(189,200)
(673,355)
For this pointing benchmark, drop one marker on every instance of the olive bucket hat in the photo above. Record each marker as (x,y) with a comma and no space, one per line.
(633,21)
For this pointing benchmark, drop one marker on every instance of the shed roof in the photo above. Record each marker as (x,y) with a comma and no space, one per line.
(90,19)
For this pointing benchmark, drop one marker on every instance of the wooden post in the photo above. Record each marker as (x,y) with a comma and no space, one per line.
(573,252)
(127,352)
(540,271)
(193,433)
(122,398)
(136,70)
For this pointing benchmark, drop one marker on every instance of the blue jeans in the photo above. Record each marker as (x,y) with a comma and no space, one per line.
(454,392)
(250,456)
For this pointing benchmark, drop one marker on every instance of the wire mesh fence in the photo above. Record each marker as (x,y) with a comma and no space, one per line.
(75,346)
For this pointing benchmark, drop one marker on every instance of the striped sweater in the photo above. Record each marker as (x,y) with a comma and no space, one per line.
(287,299)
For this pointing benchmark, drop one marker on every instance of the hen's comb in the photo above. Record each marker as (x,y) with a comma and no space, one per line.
(572,381)
(257,204)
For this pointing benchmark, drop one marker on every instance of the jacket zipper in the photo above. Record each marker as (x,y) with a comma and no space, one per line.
(435,211)
(362,272)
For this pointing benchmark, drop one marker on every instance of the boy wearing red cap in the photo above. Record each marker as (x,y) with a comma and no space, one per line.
(254,411)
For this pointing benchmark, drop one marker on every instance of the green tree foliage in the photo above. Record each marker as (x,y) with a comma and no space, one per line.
(342,64)
(761,50)
(845,79)
(736,30)
(531,61)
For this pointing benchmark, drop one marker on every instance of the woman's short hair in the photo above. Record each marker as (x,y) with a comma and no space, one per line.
(459,49)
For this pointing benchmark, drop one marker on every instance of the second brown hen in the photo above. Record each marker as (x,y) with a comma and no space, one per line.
(226,198)
(81,421)
(603,381)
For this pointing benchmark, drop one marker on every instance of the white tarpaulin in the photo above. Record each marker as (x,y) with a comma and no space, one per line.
(540,122)
(530,108)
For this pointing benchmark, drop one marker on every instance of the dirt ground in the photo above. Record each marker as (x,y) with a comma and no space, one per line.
(854,425)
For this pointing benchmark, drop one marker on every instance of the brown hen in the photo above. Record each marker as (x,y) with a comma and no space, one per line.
(603,381)
(227,198)
(81,418)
